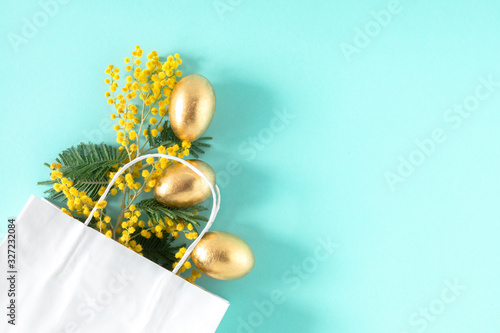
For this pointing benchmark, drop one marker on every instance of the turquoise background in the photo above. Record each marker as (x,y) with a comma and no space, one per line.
(319,175)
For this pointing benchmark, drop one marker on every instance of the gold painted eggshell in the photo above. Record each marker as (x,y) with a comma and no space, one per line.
(223,256)
(181,187)
(192,107)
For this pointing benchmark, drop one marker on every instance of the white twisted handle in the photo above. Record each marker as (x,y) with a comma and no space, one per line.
(215,194)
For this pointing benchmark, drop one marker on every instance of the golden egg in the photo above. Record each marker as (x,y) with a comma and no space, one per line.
(224,256)
(192,107)
(181,187)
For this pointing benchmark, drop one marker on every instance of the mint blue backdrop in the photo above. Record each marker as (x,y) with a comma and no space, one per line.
(356,144)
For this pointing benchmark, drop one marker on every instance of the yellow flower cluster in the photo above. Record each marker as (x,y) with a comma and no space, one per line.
(128,228)
(194,275)
(187,265)
(167,226)
(153,85)
(77,201)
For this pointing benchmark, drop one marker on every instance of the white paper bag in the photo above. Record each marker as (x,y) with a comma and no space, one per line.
(73,279)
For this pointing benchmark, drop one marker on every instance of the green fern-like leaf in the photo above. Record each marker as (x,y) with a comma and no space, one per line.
(167,138)
(160,251)
(156,212)
(87,165)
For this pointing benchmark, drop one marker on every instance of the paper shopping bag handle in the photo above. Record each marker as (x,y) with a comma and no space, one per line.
(215,194)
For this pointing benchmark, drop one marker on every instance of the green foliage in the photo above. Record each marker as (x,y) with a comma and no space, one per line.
(87,165)
(156,212)
(159,250)
(167,139)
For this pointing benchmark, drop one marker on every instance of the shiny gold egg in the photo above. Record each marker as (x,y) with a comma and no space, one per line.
(192,107)
(224,256)
(181,187)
